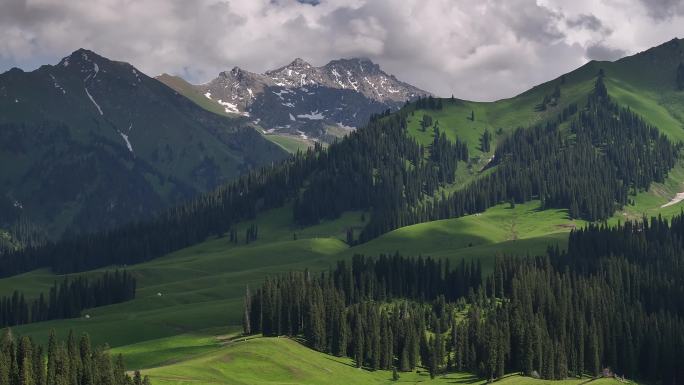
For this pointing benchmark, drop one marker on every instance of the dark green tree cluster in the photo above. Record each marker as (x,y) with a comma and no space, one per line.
(233,236)
(252,233)
(486,141)
(550,100)
(428,103)
(680,77)
(381,168)
(613,300)
(445,156)
(342,312)
(70,362)
(68,299)
(20,231)
(425,122)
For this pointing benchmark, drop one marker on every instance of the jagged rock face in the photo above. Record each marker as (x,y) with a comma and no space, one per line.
(315,102)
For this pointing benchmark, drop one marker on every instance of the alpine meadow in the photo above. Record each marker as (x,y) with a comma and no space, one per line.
(334,223)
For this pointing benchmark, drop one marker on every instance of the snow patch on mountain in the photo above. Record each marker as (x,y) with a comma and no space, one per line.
(128,142)
(345,127)
(280,93)
(93,100)
(232,108)
(302,134)
(59,87)
(313,115)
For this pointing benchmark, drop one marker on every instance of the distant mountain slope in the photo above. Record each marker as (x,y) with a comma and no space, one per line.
(300,99)
(90,143)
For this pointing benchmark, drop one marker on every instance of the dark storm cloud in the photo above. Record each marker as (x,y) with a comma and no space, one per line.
(663,9)
(589,22)
(599,51)
(485,50)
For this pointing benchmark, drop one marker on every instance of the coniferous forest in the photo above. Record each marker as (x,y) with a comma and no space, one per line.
(588,161)
(67,299)
(612,301)
(70,362)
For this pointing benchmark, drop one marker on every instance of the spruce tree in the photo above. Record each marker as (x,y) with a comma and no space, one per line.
(404,364)
(247,311)
(25,362)
(358,341)
(50,377)
(4,367)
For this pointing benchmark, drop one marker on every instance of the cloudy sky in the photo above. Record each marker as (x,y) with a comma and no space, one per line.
(482,50)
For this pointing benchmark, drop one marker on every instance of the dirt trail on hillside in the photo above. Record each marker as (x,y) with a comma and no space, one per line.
(678,198)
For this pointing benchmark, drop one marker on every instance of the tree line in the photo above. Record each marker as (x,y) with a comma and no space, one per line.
(612,302)
(68,299)
(342,312)
(70,362)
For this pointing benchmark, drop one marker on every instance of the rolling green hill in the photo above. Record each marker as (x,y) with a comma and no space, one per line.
(188,300)
(282,361)
(202,286)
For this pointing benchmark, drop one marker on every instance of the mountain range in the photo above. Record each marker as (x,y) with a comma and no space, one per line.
(90,143)
(299,99)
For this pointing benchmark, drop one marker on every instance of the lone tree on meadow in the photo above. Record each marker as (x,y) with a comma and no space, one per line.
(486,141)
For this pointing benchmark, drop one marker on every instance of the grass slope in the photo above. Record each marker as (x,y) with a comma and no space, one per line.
(524,229)
(289,143)
(260,360)
(201,287)
(186,89)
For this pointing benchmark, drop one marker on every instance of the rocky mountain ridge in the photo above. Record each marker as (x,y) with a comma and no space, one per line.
(312,102)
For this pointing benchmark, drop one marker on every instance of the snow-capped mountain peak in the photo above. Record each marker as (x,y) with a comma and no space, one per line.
(343,93)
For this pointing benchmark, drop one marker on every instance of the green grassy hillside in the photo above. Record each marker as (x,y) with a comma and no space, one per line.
(202,286)
(284,361)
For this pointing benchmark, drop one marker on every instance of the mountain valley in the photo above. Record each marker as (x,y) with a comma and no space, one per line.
(560,205)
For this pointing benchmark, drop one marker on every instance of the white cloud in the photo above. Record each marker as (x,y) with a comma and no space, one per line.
(485,50)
